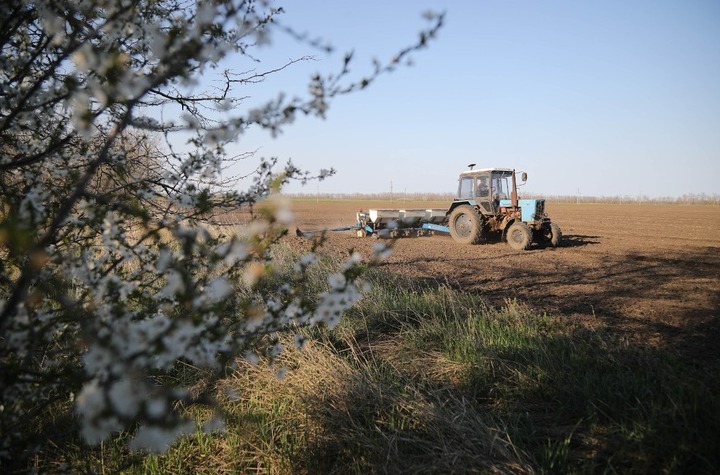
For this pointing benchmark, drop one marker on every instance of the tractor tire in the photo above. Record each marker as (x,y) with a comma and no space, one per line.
(555,235)
(519,236)
(466,225)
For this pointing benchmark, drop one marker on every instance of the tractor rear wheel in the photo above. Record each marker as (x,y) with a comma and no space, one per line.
(519,236)
(466,225)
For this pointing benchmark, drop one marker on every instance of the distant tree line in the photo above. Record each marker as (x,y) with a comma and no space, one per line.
(700,198)
(692,198)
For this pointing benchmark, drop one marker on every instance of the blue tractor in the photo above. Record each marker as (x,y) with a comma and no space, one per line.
(487,206)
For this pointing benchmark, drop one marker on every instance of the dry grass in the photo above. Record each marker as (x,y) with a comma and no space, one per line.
(366,413)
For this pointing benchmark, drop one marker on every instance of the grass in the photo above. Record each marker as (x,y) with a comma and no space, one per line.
(426,379)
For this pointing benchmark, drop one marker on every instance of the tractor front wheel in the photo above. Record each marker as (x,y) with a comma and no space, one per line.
(555,235)
(466,225)
(519,236)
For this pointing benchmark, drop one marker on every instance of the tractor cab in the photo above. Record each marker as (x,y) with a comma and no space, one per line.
(487,187)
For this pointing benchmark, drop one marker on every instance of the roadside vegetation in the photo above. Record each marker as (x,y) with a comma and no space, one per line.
(420,378)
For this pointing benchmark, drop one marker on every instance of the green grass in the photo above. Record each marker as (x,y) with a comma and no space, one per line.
(571,398)
(426,379)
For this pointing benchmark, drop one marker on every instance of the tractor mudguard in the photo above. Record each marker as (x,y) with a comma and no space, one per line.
(455,204)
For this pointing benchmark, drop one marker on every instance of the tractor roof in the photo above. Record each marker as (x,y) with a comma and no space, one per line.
(486,170)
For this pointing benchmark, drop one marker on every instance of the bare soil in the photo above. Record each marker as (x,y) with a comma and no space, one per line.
(650,272)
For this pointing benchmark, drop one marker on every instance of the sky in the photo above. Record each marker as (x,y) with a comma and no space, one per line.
(590,98)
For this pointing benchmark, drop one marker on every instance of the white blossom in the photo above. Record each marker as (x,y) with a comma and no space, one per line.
(217,289)
(174,285)
(123,395)
(309,258)
(157,439)
(299,341)
(381,250)
(214,425)
(282,208)
(337,281)
(354,259)
(156,407)
(251,357)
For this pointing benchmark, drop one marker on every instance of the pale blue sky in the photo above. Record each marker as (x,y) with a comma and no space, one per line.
(605,97)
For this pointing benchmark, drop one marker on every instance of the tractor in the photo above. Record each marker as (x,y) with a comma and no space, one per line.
(486,207)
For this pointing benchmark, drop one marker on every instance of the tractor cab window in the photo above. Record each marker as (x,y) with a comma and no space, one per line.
(483,187)
(500,186)
(465,190)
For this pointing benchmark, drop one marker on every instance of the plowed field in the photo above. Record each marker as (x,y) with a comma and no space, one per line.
(649,272)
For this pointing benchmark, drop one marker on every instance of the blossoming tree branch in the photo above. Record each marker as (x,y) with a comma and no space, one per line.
(110,270)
